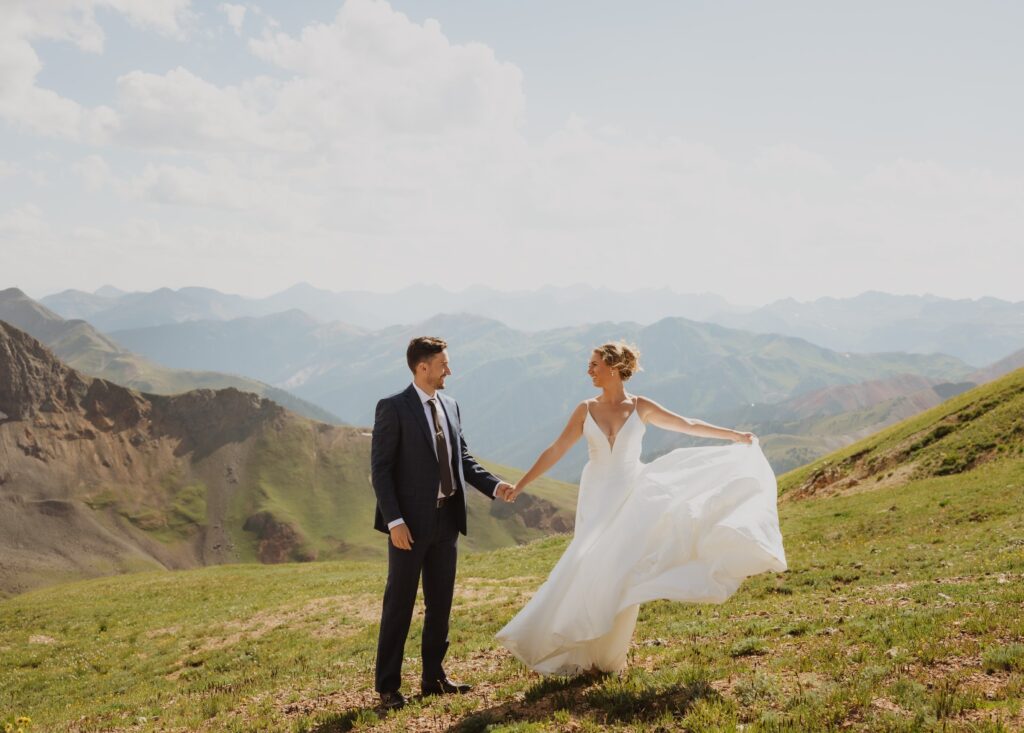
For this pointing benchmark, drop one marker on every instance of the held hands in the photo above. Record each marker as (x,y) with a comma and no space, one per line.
(508,492)
(503,491)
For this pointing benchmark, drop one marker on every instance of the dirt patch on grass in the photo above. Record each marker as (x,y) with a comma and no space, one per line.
(475,593)
(854,475)
(888,706)
(166,631)
(998,578)
(348,616)
(893,479)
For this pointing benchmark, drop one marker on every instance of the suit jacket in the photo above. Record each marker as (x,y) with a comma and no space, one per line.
(404,467)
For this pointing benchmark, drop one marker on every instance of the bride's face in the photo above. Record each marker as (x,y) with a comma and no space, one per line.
(600,373)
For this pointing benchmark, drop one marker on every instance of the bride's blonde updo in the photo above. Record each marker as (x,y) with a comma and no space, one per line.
(620,356)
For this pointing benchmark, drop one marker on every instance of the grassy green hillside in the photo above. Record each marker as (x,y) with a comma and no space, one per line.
(307,483)
(977,427)
(903,610)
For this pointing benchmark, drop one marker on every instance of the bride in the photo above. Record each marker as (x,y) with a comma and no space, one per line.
(689,526)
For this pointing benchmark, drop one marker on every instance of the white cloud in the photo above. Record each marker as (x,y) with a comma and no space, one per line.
(235,15)
(90,235)
(219,186)
(383,142)
(374,69)
(178,111)
(23,222)
(94,172)
(168,17)
(371,78)
(43,111)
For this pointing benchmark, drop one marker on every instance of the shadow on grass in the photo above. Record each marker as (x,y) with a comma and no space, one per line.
(602,698)
(347,720)
(559,686)
(627,703)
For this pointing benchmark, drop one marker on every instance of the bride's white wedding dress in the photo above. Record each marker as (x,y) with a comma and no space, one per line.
(689,526)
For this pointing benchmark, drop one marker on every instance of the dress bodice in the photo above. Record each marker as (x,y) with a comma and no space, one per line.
(626,447)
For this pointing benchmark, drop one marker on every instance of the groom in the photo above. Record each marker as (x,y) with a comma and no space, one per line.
(420,465)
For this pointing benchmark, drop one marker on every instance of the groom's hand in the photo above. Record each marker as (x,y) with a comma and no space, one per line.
(504,491)
(401,537)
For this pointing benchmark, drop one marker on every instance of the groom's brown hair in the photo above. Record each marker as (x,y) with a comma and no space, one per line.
(422,348)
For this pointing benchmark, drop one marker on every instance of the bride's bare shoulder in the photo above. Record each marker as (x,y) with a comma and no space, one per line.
(645,406)
(579,414)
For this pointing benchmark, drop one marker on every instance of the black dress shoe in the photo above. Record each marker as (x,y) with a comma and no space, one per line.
(392,700)
(444,687)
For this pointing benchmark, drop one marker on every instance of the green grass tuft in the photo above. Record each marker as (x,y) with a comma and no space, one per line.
(1009,658)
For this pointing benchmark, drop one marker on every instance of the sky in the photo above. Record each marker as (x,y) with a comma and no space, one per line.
(754,150)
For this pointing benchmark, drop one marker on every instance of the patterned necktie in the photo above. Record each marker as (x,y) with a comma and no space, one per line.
(447,485)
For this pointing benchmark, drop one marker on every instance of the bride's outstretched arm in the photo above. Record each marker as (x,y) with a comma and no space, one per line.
(554,452)
(653,413)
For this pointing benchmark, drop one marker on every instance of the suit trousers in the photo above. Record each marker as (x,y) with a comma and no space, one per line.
(434,556)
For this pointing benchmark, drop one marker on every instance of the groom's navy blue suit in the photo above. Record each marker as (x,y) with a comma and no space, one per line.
(406,476)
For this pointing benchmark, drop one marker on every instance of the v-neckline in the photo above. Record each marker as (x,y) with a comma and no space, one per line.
(611,440)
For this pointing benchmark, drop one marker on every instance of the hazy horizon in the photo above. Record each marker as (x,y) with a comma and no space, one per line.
(39,295)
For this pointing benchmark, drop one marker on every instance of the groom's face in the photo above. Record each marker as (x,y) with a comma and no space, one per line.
(437,369)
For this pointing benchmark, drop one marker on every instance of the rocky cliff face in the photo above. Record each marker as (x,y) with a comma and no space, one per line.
(97,478)
(33,380)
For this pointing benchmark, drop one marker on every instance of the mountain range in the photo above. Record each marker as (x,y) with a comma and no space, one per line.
(727,376)
(518,387)
(96,478)
(99,477)
(978,331)
(549,307)
(83,347)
